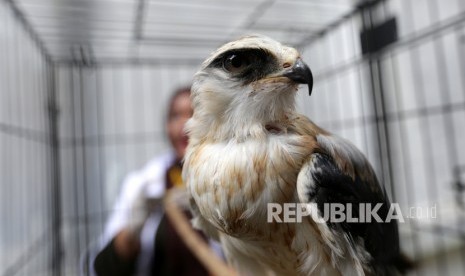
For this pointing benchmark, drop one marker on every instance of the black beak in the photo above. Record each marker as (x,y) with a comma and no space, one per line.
(300,73)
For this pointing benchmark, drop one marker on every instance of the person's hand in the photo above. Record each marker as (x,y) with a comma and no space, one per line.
(180,197)
(140,211)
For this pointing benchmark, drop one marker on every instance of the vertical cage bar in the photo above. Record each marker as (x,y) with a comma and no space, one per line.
(379,108)
(100,143)
(57,249)
(83,144)
(73,145)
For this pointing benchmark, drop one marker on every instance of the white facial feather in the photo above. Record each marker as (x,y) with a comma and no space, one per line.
(234,109)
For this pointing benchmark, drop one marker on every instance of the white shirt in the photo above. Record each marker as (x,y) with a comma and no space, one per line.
(151,178)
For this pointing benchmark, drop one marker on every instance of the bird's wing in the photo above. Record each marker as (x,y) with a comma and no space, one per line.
(337,172)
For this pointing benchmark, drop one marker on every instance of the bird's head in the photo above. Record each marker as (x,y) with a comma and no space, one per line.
(245,85)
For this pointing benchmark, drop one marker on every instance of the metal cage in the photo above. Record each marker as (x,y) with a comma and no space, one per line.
(84,85)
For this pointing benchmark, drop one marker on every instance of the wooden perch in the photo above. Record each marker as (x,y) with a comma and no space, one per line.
(214,264)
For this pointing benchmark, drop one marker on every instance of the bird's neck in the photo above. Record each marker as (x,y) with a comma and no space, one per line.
(236,128)
(245,119)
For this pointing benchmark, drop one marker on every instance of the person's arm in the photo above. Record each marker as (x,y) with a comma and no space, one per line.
(126,245)
(119,257)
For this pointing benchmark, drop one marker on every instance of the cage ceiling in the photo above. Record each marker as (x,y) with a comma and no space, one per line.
(177,31)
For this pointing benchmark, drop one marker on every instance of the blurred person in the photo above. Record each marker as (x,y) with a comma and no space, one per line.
(139,239)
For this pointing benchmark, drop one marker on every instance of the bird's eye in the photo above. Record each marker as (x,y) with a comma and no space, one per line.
(236,63)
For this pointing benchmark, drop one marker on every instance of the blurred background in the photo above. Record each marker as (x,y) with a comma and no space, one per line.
(84,86)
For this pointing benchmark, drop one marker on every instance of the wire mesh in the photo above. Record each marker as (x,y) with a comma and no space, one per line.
(74,122)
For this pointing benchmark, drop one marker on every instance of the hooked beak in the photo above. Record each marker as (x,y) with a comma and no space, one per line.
(300,73)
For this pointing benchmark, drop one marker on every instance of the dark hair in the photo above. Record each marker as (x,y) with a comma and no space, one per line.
(178,92)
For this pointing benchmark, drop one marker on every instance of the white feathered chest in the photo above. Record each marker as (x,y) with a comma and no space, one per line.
(232,183)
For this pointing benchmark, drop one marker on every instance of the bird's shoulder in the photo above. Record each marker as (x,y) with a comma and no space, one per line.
(346,156)
(302,125)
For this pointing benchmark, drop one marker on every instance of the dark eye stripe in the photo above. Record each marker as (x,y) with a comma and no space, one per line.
(217,62)
(262,63)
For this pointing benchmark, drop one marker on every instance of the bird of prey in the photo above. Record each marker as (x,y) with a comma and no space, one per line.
(248,147)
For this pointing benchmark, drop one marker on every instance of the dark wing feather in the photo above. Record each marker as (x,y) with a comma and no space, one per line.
(339,173)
